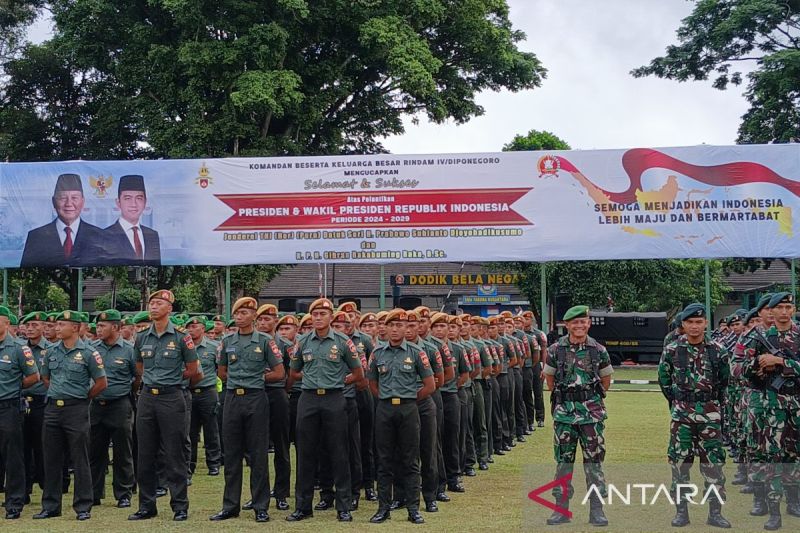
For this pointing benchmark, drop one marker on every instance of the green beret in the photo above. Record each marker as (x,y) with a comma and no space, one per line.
(70,316)
(92,327)
(219,318)
(176,320)
(40,316)
(751,315)
(780,298)
(109,315)
(763,301)
(141,316)
(209,325)
(693,310)
(13,319)
(5,311)
(230,324)
(199,319)
(578,311)
(52,317)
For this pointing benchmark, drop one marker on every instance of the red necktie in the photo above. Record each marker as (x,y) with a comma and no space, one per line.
(68,243)
(137,244)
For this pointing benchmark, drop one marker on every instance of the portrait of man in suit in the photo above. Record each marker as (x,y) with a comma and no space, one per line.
(128,241)
(67,240)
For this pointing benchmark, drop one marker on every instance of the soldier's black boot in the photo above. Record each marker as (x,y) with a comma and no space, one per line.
(793,500)
(558,518)
(741,475)
(774,521)
(681,515)
(596,515)
(715,517)
(759,500)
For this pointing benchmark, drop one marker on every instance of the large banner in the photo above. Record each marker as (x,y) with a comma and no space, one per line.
(702,202)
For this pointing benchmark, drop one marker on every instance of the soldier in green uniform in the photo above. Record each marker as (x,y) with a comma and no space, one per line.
(50,329)
(205,399)
(325,361)
(111,412)
(481,422)
(165,358)
(393,376)
(18,369)
(246,360)
(692,374)
(535,410)
(68,371)
(36,396)
(498,421)
(578,373)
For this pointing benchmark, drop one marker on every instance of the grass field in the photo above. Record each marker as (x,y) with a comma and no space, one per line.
(495,500)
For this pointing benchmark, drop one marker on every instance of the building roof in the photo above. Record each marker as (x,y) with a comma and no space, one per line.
(778,273)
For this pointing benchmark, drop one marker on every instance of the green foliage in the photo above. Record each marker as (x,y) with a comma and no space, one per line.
(719,34)
(127,299)
(536,140)
(208,78)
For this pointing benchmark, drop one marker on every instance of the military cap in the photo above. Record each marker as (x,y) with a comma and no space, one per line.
(527,313)
(163,294)
(288,320)
(130,182)
(198,319)
(69,182)
(141,316)
(519,317)
(465,317)
(51,317)
(753,313)
(126,320)
(493,320)
(13,319)
(246,302)
(781,298)
(730,319)
(693,310)
(109,315)
(439,317)
(506,314)
(209,325)
(396,315)
(475,319)
(219,318)
(340,316)
(676,322)
(39,316)
(412,316)
(368,317)
(454,320)
(267,309)
(5,311)
(763,301)
(380,316)
(578,311)
(348,307)
(176,320)
(92,327)
(231,324)
(321,303)
(482,320)
(304,319)
(70,316)
(423,312)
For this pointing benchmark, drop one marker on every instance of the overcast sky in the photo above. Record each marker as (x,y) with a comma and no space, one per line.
(589,98)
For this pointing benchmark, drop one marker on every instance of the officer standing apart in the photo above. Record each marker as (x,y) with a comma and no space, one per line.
(692,374)
(393,372)
(325,361)
(165,358)
(17,370)
(68,370)
(205,399)
(111,412)
(578,373)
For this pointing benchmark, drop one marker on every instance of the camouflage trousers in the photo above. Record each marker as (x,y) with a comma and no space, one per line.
(593,447)
(730,410)
(772,424)
(703,439)
(742,409)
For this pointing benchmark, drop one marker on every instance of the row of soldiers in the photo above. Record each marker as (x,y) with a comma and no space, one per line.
(741,386)
(151,383)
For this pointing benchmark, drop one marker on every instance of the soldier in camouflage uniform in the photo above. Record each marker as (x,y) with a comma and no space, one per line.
(692,373)
(578,373)
(769,360)
(740,407)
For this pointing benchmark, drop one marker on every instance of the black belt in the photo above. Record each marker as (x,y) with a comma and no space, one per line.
(789,390)
(10,401)
(576,396)
(67,402)
(157,391)
(241,391)
(692,396)
(398,401)
(36,400)
(107,401)
(198,390)
(322,392)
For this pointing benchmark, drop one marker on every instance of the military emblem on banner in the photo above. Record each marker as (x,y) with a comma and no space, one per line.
(101,185)
(548,166)
(204,178)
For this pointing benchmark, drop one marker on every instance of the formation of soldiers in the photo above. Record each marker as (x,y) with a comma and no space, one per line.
(738,388)
(428,398)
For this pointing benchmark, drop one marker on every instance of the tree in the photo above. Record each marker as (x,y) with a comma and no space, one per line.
(246,77)
(127,299)
(536,140)
(720,34)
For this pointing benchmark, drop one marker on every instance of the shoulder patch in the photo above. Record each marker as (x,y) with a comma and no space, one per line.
(187,340)
(424,357)
(98,359)
(27,353)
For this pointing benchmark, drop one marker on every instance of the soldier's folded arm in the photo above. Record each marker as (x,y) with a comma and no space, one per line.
(191,369)
(99,386)
(428,388)
(32,379)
